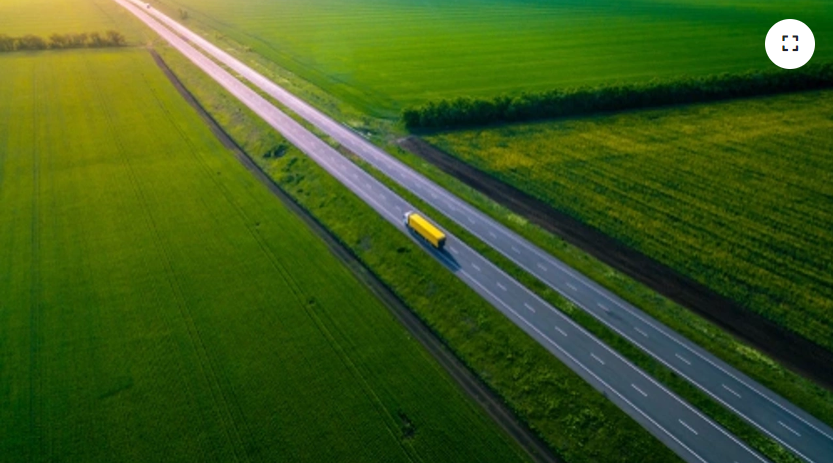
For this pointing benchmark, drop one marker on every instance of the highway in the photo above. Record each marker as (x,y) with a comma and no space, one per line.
(797,430)
(681,427)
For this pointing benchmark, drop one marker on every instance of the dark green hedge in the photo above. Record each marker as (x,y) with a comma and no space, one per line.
(467,112)
(61,41)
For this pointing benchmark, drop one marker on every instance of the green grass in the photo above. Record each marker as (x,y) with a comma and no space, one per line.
(578,422)
(383,55)
(157,303)
(736,195)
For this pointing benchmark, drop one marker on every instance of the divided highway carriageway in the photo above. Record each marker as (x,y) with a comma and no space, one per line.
(685,430)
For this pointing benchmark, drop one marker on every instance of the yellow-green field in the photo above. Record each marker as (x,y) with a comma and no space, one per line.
(44,17)
(736,195)
(158,304)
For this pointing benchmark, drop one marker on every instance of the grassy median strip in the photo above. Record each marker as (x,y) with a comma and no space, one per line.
(579,423)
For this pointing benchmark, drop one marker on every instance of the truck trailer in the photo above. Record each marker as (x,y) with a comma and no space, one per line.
(425,229)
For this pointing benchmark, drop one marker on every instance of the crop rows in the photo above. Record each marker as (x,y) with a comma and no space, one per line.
(735,195)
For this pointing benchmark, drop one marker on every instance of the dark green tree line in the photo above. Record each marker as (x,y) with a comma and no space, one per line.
(109,38)
(467,112)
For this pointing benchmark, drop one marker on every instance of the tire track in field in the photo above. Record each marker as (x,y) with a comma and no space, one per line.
(299,294)
(383,411)
(228,393)
(35,378)
(285,273)
(189,395)
(197,344)
(46,184)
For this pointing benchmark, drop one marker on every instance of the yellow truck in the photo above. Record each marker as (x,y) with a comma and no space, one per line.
(425,229)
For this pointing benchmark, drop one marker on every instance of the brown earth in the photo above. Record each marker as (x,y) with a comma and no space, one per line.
(534,446)
(788,348)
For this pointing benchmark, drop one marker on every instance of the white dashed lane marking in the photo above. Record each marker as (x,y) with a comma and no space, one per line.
(730,390)
(790,429)
(688,427)
(639,390)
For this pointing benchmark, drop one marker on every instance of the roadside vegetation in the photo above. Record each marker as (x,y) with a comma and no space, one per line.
(109,38)
(384,55)
(160,304)
(467,112)
(579,423)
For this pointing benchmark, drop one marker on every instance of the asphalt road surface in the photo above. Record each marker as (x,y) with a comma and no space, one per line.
(670,419)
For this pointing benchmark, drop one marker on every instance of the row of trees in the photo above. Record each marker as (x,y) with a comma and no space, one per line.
(60,41)
(467,112)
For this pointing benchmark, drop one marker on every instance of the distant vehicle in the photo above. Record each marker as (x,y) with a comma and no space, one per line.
(425,229)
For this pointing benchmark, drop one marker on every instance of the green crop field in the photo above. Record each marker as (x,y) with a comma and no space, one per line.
(44,17)
(736,195)
(158,304)
(381,55)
